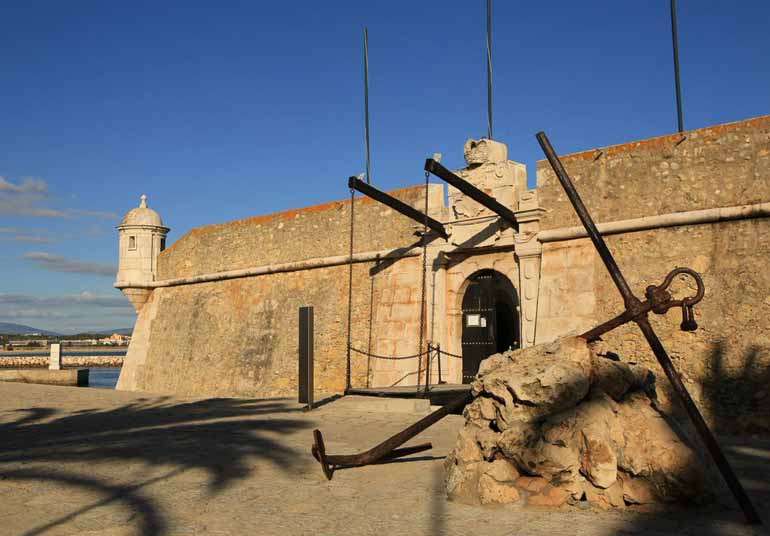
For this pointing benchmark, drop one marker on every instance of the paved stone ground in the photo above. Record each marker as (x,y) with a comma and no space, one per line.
(88,461)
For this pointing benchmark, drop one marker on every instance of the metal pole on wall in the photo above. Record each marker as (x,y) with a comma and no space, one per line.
(305,376)
(489,69)
(366,103)
(675,41)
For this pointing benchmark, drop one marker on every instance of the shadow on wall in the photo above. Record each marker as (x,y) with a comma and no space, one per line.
(738,397)
(155,432)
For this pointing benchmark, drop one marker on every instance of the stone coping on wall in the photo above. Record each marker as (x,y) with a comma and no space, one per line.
(717,166)
(289,214)
(695,217)
(294,235)
(658,142)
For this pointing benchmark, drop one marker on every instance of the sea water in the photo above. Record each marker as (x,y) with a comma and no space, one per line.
(103,378)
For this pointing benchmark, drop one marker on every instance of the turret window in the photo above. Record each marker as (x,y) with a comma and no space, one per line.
(131,243)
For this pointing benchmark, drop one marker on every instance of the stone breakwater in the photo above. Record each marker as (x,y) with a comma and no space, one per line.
(557,423)
(70,361)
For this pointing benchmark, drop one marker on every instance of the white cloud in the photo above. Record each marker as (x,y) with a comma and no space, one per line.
(94,214)
(84,298)
(84,310)
(31,239)
(21,314)
(57,263)
(13,234)
(28,185)
(17,314)
(95,230)
(26,198)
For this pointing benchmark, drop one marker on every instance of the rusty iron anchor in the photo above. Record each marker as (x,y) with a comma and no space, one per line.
(388,449)
(659,301)
(635,312)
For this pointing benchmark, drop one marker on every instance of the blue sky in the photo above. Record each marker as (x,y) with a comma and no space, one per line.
(224,110)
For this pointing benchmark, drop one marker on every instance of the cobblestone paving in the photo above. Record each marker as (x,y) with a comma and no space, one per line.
(85,461)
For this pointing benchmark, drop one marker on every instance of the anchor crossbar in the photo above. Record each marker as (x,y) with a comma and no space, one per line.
(471,191)
(388,449)
(397,205)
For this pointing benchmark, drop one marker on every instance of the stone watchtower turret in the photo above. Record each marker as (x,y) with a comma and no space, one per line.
(142,238)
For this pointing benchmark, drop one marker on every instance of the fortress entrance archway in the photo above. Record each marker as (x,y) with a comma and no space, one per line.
(490,319)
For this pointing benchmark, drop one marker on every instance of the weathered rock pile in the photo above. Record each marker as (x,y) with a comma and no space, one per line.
(557,423)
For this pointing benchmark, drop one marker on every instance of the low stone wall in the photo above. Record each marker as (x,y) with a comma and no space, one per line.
(67,378)
(67,362)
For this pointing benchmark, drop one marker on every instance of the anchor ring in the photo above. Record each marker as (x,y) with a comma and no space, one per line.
(663,298)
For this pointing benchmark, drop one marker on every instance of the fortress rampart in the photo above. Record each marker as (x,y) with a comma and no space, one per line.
(221,313)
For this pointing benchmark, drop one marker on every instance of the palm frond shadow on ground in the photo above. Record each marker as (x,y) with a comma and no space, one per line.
(158,432)
(223,437)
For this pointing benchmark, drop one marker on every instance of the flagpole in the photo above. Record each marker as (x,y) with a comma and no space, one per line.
(489,69)
(675,41)
(366,103)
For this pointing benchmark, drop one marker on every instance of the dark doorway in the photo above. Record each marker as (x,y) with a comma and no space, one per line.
(490,319)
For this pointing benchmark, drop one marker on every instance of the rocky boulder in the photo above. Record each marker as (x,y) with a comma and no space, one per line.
(558,423)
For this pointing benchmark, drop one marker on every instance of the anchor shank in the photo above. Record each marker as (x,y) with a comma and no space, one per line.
(375,453)
(698,422)
(388,449)
(588,223)
(353,460)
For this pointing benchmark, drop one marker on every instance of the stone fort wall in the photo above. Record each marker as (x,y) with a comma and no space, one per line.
(725,363)
(238,337)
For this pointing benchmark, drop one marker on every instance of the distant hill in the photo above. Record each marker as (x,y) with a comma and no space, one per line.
(7,328)
(86,333)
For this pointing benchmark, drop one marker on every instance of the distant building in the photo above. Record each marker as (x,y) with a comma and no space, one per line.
(116,339)
(80,342)
(29,342)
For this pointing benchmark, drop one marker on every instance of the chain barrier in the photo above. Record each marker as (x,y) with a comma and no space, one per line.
(433,353)
(450,354)
(386,357)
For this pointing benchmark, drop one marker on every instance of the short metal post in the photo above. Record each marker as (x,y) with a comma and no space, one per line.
(438,357)
(305,376)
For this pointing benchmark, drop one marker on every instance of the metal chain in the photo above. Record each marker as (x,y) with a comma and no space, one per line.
(386,357)
(350,288)
(450,354)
